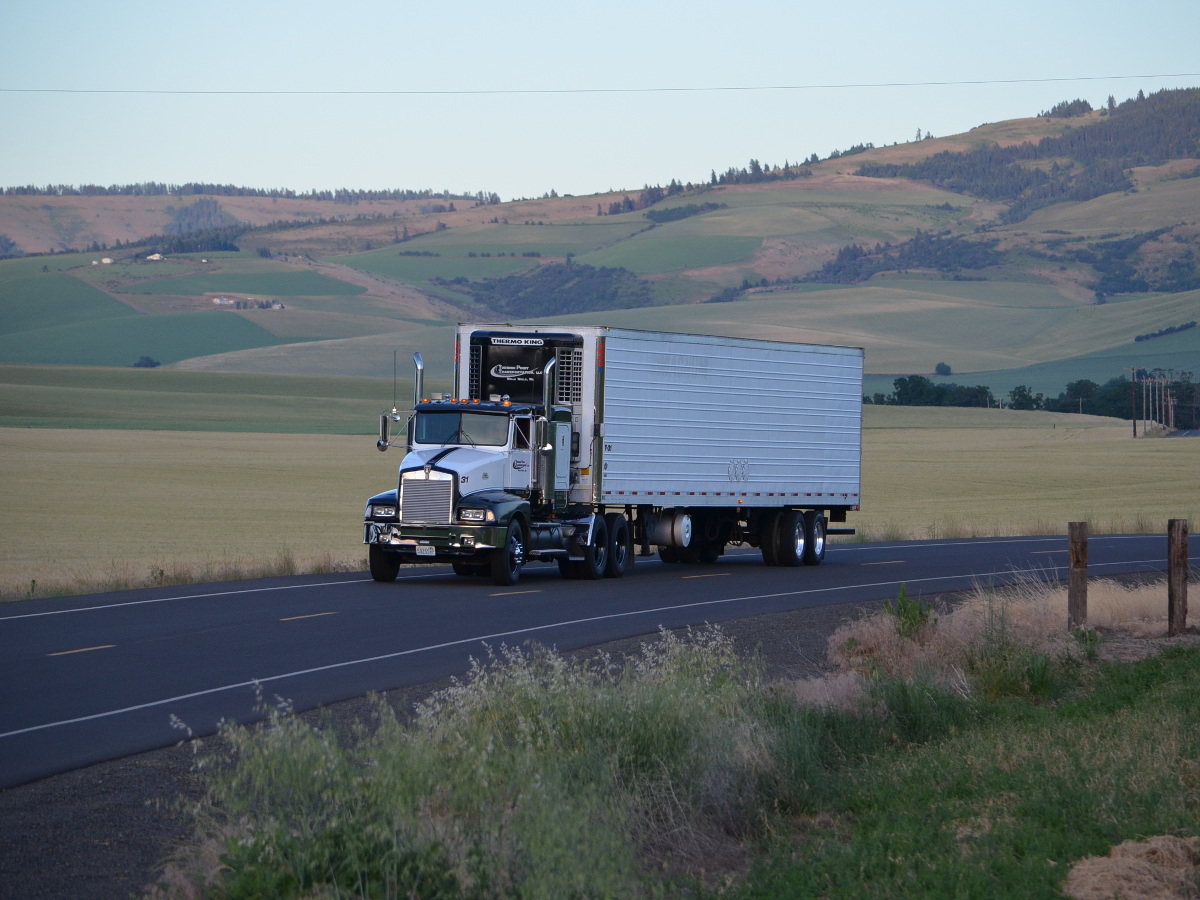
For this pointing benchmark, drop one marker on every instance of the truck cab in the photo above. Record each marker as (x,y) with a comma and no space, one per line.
(477,479)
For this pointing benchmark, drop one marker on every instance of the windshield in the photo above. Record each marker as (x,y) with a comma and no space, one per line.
(453,427)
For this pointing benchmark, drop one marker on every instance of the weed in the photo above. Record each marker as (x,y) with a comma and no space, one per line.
(1089,640)
(911,615)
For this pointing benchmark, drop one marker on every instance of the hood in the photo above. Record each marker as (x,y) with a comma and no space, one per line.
(477,468)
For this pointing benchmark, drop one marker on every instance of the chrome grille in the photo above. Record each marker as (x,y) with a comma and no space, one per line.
(424,500)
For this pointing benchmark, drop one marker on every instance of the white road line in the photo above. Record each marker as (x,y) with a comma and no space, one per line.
(82,650)
(536,628)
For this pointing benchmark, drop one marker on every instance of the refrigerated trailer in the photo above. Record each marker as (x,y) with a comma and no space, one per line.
(591,445)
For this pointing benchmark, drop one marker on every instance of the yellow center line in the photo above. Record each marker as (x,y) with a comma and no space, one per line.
(309,616)
(713,575)
(514,593)
(885,562)
(82,650)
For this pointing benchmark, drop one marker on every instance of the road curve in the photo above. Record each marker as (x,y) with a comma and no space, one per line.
(91,678)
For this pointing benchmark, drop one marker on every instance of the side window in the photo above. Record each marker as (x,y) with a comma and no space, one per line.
(523,434)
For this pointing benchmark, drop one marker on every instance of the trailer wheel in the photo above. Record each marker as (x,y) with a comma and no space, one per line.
(790,543)
(766,538)
(508,560)
(814,537)
(620,545)
(384,566)
(595,554)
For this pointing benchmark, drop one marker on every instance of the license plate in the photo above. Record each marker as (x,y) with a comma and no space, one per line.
(425,550)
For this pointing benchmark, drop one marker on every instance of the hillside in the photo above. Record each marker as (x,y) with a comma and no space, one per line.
(1034,251)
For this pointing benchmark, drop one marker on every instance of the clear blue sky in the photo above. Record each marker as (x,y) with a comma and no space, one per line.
(521,98)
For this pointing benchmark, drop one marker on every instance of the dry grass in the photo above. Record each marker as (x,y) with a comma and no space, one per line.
(1031,616)
(93,510)
(1160,868)
(106,510)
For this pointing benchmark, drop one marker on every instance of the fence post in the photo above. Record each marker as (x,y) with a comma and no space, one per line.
(1077,535)
(1177,576)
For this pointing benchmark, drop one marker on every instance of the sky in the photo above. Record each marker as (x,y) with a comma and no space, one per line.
(524,98)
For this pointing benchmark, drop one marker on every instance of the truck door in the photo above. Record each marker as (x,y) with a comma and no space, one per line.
(521,470)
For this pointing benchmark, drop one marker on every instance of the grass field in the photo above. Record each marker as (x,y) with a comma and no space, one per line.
(85,508)
(166,400)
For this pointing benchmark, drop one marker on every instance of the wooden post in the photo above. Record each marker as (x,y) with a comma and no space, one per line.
(1077,535)
(1177,576)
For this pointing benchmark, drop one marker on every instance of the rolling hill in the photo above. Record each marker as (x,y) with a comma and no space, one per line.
(1028,252)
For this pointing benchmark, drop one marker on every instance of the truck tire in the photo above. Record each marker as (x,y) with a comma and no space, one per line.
(620,545)
(668,554)
(790,543)
(766,538)
(508,560)
(595,554)
(384,566)
(468,570)
(814,537)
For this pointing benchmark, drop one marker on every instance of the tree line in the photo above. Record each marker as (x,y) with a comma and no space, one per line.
(925,250)
(1118,397)
(556,289)
(159,189)
(1140,132)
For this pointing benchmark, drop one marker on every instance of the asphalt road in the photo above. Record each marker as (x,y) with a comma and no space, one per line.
(87,679)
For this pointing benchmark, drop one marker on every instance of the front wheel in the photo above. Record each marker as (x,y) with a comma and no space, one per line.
(508,560)
(384,566)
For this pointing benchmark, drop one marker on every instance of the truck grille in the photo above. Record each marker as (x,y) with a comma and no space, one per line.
(426,501)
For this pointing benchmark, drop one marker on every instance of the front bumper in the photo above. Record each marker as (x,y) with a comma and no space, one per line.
(432,544)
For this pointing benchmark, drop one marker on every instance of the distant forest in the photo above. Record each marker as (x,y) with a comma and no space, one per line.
(156,189)
(925,250)
(558,289)
(1119,397)
(1143,131)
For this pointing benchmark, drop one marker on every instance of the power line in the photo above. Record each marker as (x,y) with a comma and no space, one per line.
(635,90)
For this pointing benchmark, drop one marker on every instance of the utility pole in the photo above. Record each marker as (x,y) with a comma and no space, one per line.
(1132,397)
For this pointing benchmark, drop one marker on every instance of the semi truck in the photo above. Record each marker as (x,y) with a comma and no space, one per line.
(591,446)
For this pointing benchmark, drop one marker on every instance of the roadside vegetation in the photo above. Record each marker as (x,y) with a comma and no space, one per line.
(974,750)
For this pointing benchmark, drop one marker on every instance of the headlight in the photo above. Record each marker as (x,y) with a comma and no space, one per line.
(477,515)
(381,512)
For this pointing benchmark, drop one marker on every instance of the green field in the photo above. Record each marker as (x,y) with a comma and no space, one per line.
(1031,320)
(80,397)
(246,496)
